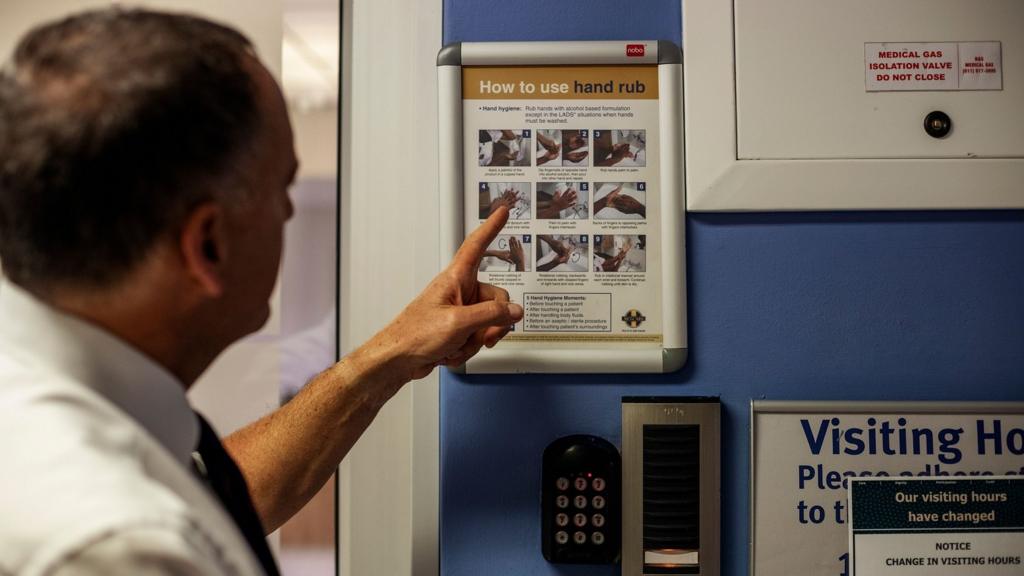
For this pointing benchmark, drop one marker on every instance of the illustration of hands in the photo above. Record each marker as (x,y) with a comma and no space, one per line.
(576,141)
(562,250)
(552,148)
(517,255)
(575,146)
(613,264)
(577,156)
(564,198)
(627,204)
(607,200)
(613,155)
(508,198)
(560,200)
(502,155)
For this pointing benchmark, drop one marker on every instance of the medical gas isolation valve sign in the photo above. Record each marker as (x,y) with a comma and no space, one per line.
(572,152)
(932,66)
(937,527)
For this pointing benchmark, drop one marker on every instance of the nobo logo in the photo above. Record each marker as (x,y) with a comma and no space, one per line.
(634,50)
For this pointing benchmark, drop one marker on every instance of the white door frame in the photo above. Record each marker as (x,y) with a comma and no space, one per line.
(388,489)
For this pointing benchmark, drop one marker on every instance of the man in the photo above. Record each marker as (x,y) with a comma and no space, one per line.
(145,160)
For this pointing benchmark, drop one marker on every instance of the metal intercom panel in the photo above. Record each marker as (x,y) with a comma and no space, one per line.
(671,486)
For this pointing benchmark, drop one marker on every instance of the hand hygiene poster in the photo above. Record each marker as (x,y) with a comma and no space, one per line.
(803,463)
(573,152)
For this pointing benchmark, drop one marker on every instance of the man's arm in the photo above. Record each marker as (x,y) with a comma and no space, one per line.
(287,455)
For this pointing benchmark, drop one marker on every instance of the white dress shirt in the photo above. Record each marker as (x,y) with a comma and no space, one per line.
(96,442)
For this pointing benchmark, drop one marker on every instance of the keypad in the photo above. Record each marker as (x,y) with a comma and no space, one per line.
(587,516)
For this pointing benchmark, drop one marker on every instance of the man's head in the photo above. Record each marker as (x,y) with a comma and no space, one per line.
(136,144)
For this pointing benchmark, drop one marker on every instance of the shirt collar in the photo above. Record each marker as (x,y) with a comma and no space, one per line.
(93,357)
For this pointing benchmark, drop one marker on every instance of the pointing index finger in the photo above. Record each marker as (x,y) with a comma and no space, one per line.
(473,247)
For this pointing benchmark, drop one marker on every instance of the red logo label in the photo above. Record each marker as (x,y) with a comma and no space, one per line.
(634,50)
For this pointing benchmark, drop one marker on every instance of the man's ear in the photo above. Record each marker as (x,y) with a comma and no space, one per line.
(204,246)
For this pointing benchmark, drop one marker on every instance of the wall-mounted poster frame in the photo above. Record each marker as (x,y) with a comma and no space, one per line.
(731,54)
(583,142)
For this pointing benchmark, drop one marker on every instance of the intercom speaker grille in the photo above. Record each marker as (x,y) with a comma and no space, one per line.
(670,485)
(671,481)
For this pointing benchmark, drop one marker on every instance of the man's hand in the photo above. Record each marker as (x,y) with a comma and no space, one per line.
(287,455)
(454,316)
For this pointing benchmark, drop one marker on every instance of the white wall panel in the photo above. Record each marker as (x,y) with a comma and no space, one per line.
(389,483)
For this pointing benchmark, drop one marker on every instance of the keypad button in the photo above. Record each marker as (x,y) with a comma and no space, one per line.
(562,519)
(597,502)
(579,537)
(562,483)
(561,537)
(580,501)
(597,538)
(581,483)
(579,520)
(597,519)
(562,501)
(598,484)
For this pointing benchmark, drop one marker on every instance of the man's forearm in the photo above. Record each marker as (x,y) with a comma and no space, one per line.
(288,455)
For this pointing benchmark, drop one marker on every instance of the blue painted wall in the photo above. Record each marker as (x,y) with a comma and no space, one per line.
(821,306)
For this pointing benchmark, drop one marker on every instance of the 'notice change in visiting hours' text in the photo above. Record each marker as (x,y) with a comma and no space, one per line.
(572,151)
(937,527)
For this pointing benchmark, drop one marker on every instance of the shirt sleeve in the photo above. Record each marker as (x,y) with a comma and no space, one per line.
(144,551)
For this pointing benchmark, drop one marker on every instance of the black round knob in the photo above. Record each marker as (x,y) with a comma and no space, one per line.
(937,124)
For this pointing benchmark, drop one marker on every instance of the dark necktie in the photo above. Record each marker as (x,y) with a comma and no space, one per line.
(220,473)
